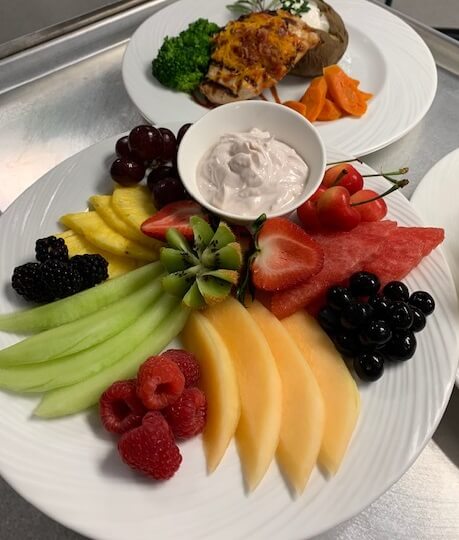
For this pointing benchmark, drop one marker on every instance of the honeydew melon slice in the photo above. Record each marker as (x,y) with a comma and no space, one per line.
(73,337)
(77,367)
(78,397)
(79,305)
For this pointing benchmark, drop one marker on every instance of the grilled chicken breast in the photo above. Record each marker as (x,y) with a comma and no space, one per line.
(254,53)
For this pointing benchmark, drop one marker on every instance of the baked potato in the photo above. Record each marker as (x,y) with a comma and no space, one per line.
(330,49)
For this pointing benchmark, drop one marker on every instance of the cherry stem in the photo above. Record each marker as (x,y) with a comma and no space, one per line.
(344,161)
(341,174)
(386,175)
(399,184)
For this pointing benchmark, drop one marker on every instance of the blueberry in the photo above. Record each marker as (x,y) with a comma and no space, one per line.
(369,366)
(329,319)
(356,315)
(338,297)
(380,305)
(399,316)
(419,320)
(347,343)
(396,290)
(364,284)
(401,346)
(375,333)
(422,300)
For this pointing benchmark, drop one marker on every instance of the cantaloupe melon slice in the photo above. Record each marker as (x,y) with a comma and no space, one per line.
(102,204)
(78,245)
(303,413)
(260,387)
(93,228)
(339,391)
(219,383)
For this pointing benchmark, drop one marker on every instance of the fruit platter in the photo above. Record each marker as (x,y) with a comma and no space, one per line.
(177,372)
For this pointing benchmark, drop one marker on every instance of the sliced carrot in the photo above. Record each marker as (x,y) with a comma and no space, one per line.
(296,106)
(330,111)
(314,98)
(344,92)
(366,95)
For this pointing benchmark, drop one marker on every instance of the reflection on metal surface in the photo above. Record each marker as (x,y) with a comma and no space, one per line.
(56,30)
(47,120)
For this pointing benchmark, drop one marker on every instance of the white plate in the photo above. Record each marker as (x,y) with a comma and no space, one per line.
(69,468)
(436,200)
(384,53)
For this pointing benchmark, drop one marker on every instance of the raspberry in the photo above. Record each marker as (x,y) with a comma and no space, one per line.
(187,416)
(159,382)
(151,448)
(120,408)
(187,363)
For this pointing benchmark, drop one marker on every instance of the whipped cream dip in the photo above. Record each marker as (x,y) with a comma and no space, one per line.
(251,173)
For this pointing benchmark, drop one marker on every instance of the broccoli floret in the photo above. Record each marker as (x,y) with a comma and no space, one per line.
(182,61)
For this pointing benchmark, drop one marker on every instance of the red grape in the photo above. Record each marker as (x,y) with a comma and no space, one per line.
(159,173)
(122,149)
(146,142)
(182,131)
(169,144)
(127,172)
(168,190)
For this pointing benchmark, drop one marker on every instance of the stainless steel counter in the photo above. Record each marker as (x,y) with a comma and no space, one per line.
(60,97)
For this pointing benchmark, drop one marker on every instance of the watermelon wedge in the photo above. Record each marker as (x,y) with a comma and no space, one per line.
(402,251)
(344,254)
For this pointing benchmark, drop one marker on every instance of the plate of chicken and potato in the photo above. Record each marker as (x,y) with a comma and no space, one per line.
(283,53)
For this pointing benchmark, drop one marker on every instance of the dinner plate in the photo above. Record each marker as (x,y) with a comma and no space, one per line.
(436,200)
(69,468)
(384,53)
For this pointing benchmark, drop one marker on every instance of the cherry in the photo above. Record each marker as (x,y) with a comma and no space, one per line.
(334,210)
(345,175)
(307,212)
(370,211)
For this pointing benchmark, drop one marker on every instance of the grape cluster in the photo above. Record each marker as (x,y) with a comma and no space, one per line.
(154,151)
(372,326)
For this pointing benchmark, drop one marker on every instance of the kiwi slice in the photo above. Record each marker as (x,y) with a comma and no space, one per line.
(204,273)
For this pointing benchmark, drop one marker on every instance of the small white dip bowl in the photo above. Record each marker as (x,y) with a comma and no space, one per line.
(283,123)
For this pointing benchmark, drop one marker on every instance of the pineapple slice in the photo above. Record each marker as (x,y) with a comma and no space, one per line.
(78,245)
(102,204)
(94,229)
(133,204)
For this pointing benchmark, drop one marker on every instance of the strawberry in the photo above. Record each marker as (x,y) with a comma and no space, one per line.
(286,256)
(176,215)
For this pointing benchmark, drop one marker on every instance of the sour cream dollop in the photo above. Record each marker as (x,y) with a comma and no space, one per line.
(315,18)
(251,173)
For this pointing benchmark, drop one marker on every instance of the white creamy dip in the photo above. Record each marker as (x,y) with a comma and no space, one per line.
(315,18)
(251,173)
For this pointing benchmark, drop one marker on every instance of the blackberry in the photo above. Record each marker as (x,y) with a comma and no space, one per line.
(51,248)
(60,278)
(26,281)
(91,268)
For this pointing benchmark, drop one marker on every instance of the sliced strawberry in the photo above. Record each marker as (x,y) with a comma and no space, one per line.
(177,215)
(286,256)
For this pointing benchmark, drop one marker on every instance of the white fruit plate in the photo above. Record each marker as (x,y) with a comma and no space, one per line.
(385,54)
(70,469)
